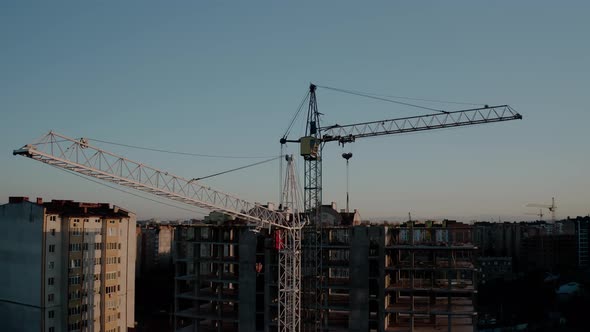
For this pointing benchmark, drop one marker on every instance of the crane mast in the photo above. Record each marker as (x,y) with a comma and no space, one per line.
(289,247)
(311,150)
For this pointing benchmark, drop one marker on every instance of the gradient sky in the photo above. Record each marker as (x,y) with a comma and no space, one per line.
(225,78)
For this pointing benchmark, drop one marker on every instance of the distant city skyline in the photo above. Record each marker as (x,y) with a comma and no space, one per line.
(222,79)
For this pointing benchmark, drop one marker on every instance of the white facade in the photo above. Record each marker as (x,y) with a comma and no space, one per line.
(69,267)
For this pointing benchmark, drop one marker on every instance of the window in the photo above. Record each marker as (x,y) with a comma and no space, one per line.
(75,263)
(53,231)
(74,295)
(75,247)
(50,313)
(50,298)
(52,218)
(52,248)
(51,265)
(50,281)
(51,329)
(74,311)
(74,326)
(74,280)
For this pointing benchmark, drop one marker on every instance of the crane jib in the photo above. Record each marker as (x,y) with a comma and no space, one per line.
(349,133)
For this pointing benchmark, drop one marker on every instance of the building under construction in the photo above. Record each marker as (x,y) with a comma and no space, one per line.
(430,281)
(410,277)
(230,271)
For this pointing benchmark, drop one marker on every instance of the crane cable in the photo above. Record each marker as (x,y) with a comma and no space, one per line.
(199,155)
(417,99)
(178,152)
(376,97)
(288,131)
(235,169)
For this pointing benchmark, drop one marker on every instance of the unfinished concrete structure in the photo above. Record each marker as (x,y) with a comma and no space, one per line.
(219,283)
(430,281)
(352,279)
(418,277)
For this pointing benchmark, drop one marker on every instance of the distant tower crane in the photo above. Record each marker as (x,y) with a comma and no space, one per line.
(540,214)
(551,207)
(311,146)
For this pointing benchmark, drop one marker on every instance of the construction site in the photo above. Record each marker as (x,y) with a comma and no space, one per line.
(300,264)
(408,277)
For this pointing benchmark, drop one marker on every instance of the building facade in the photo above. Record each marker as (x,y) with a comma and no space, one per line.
(69,266)
(154,247)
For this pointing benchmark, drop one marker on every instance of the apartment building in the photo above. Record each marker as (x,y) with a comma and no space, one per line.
(69,266)
(155,247)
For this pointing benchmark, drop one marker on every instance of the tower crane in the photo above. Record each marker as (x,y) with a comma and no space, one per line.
(80,157)
(551,207)
(540,214)
(311,146)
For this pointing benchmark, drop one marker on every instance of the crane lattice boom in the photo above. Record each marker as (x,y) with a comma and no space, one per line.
(348,133)
(79,156)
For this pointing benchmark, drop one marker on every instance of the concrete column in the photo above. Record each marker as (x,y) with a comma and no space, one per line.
(359,280)
(247,281)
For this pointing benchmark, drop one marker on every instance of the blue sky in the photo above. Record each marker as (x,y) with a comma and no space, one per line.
(226,77)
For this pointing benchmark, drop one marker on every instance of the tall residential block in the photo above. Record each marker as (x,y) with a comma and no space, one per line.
(68,266)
